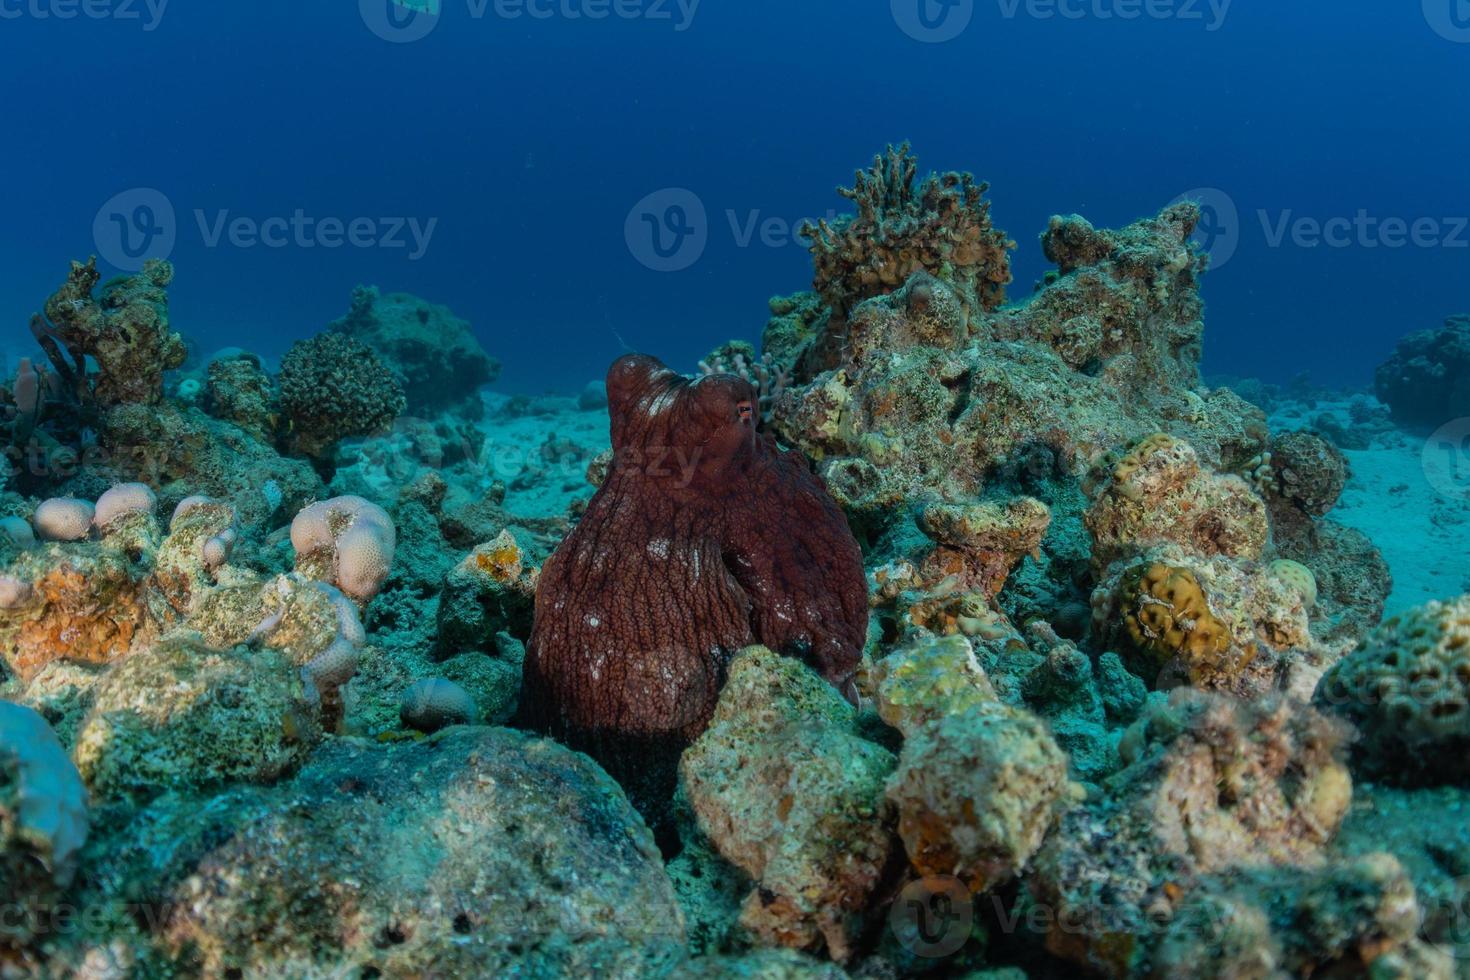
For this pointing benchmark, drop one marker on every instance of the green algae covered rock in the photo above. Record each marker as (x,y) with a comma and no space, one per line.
(787,791)
(474,852)
(182,714)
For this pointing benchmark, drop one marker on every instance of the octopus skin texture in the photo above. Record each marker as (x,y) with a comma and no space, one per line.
(705,538)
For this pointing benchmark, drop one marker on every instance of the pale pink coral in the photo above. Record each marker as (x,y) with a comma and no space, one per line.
(123,499)
(63,519)
(360,535)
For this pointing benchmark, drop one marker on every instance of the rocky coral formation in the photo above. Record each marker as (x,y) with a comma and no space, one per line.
(1360,918)
(1407,689)
(1426,381)
(432,353)
(81,602)
(940,225)
(927,409)
(182,714)
(1158,493)
(976,793)
(240,391)
(1211,623)
(332,387)
(474,852)
(1212,784)
(1307,472)
(491,590)
(43,822)
(124,330)
(787,790)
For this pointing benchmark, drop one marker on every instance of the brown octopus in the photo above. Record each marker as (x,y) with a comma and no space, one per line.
(704,538)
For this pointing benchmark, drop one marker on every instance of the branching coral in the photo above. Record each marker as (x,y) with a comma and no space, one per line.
(433,353)
(764,372)
(940,225)
(332,387)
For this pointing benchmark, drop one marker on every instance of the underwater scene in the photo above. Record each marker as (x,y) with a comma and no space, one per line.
(690,488)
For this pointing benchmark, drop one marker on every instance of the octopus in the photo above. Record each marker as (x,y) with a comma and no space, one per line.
(704,538)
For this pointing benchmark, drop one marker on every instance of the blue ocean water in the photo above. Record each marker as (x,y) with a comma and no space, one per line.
(495,162)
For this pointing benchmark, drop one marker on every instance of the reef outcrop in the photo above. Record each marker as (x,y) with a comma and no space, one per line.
(1426,381)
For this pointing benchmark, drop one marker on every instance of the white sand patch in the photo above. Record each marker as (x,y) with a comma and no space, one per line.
(1411,497)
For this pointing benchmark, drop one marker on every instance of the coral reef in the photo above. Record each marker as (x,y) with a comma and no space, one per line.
(786,790)
(347,541)
(1426,381)
(124,330)
(333,386)
(940,225)
(435,858)
(704,538)
(182,714)
(1407,689)
(1212,784)
(939,635)
(433,354)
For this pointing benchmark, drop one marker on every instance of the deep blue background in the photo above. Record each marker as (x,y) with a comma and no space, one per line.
(530,140)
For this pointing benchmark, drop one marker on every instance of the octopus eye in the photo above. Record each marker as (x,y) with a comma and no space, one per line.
(744,411)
